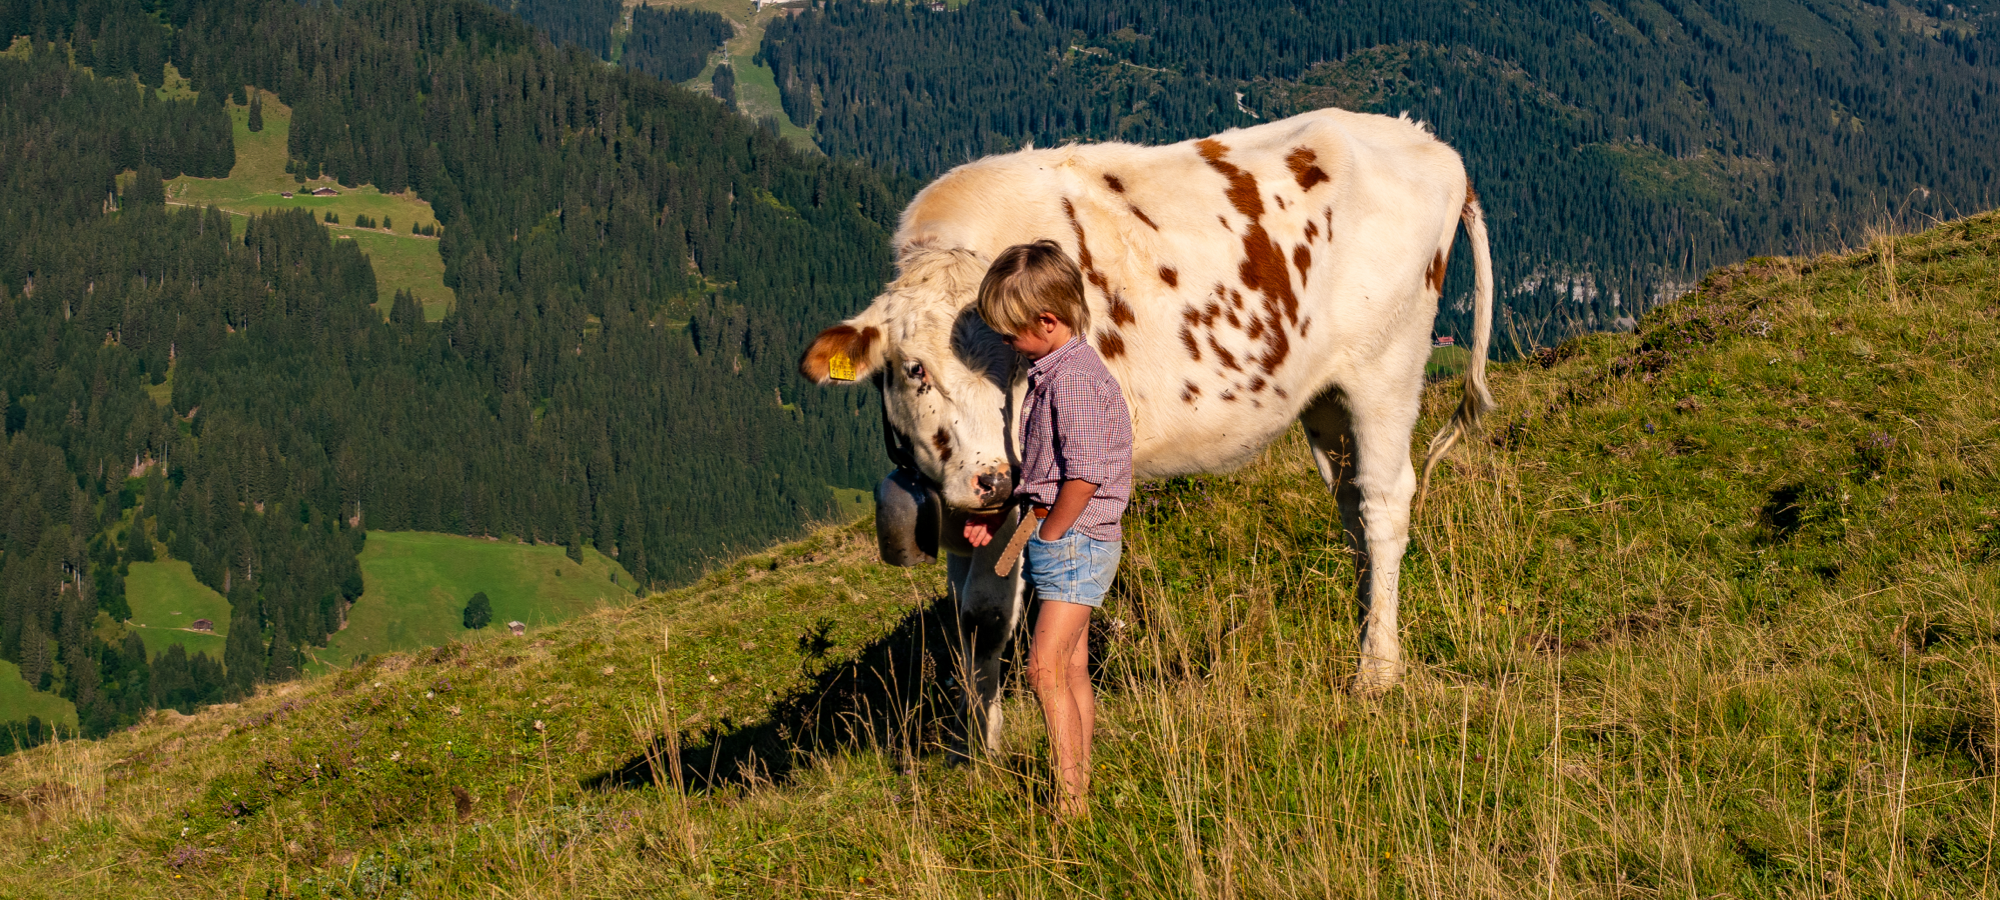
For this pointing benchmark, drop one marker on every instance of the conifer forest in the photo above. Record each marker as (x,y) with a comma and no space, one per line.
(635,268)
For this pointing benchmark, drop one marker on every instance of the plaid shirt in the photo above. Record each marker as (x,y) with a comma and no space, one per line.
(1074,425)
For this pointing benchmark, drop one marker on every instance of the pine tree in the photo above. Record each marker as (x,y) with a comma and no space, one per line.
(284,661)
(404,310)
(147,188)
(138,548)
(257,112)
(243,655)
(724,83)
(478,611)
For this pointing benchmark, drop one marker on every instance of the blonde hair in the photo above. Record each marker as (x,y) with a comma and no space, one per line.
(1027,280)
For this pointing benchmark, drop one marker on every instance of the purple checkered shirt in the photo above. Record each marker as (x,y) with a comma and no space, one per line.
(1074,424)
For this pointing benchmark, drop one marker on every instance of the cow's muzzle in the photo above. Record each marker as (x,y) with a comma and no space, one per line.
(994,487)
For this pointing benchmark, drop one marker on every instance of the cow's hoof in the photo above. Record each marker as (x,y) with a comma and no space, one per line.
(1375,678)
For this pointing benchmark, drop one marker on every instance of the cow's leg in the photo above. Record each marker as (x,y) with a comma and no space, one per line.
(1364,456)
(989,612)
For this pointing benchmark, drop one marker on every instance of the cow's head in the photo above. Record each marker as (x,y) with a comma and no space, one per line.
(945,376)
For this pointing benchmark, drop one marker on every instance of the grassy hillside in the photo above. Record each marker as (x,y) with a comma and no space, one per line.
(417,584)
(756,88)
(165,599)
(402,260)
(1713,609)
(19,700)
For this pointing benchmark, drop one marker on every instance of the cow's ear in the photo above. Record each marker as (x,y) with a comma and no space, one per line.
(843,353)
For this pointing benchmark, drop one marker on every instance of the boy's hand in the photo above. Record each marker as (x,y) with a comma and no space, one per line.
(979,529)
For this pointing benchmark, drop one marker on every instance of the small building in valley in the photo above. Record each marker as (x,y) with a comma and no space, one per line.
(203,625)
(324,191)
(517,627)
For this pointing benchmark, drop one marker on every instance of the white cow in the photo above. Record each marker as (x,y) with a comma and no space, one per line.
(1236,283)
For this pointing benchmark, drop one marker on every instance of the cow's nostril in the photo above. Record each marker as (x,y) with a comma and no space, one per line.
(993,483)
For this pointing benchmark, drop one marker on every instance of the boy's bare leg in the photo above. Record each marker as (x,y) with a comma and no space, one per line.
(1067,708)
(1086,698)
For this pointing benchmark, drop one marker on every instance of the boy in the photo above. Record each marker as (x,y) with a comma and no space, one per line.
(1076,474)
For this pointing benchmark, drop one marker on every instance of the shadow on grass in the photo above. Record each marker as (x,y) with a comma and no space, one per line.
(897,694)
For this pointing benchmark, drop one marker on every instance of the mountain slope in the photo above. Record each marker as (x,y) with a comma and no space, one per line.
(1622,148)
(632,268)
(1713,609)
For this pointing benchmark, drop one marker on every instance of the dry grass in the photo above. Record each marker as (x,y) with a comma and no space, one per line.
(1713,611)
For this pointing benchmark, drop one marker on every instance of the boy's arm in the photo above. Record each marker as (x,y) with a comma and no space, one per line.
(1070,501)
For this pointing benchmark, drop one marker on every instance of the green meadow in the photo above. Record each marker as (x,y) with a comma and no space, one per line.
(1447,362)
(19,700)
(417,584)
(853,503)
(756,88)
(165,599)
(258,183)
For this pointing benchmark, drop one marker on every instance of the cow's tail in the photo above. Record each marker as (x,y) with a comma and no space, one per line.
(1478,400)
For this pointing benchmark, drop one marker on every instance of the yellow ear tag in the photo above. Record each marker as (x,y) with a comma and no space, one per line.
(839,367)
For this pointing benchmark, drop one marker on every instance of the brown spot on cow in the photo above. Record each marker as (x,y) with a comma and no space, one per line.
(1229,396)
(1230,314)
(1434,276)
(1256,329)
(1302,163)
(1225,224)
(1084,260)
(1121,312)
(1228,359)
(1170,276)
(1303,259)
(1110,344)
(942,442)
(1264,268)
(1189,391)
(1276,347)
(1242,190)
(1312,230)
(1305,325)
(1209,313)
(1280,392)
(1278,200)
(1113,181)
(1193,346)
(1257,384)
(1141,214)
(1265,271)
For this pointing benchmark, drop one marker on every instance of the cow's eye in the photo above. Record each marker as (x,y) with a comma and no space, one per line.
(915,371)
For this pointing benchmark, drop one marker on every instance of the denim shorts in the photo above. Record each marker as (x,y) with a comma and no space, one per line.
(1072,568)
